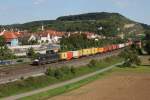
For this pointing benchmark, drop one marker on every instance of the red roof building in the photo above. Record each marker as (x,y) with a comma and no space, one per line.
(10,38)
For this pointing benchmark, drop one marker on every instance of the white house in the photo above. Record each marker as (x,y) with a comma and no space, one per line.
(32,37)
(45,37)
(50,36)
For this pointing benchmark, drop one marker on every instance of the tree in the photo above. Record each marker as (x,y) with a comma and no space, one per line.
(5,52)
(80,41)
(31,53)
(33,42)
(2,42)
(130,57)
(147,47)
(147,43)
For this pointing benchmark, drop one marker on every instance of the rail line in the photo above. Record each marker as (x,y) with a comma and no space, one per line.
(26,70)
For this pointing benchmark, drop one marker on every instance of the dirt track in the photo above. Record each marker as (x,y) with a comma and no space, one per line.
(119,86)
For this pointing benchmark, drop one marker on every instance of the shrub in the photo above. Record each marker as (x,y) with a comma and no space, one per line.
(20,60)
(108,59)
(130,57)
(21,84)
(93,63)
(65,69)
(50,72)
(30,79)
(73,70)
(21,78)
(58,74)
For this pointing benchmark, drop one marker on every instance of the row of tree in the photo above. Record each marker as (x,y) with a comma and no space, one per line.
(80,41)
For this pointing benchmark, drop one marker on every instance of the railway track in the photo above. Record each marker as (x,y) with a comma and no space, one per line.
(26,70)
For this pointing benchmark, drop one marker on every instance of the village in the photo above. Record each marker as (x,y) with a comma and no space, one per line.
(20,41)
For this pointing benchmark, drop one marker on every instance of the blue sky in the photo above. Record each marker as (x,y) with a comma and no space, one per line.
(20,11)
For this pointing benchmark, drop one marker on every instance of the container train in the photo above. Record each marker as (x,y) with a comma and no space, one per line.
(52,56)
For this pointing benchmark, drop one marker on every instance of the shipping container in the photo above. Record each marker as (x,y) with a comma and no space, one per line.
(114,47)
(126,44)
(100,50)
(121,45)
(93,51)
(110,48)
(63,55)
(106,49)
(76,54)
(130,43)
(86,52)
(69,55)
(89,51)
(96,50)
(117,46)
(80,53)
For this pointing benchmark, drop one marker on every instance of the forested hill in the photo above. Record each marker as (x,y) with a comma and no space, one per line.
(110,23)
(93,16)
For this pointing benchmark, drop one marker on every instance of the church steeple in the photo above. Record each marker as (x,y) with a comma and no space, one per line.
(42,28)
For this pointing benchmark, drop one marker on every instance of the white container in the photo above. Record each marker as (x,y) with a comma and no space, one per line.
(121,45)
(75,54)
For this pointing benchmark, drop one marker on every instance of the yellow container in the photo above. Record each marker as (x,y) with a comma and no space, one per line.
(85,52)
(101,50)
(92,50)
(96,50)
(89,51)
(80,53)
(63,55)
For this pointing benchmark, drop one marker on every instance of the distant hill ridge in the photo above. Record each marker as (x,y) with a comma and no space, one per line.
(90,16)
(84,22)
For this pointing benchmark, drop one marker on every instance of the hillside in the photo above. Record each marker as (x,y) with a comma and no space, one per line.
(112,24)
(93,16)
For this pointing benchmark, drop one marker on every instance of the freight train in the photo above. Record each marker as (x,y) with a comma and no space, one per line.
(52,56)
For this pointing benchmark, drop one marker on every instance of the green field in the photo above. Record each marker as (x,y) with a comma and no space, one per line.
(67,88)
(33,83)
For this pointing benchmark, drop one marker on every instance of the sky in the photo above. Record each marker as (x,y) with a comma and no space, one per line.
(21,11)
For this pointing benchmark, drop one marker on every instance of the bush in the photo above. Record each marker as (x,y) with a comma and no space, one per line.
(93,63)
(30,79)
(50,72)
(73,70)
(20,60)
(21,84)
(108,59)
(22,78)
(65,69)
(130,57)
(58,74)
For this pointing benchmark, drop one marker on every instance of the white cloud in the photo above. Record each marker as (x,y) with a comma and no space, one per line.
(37,2)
